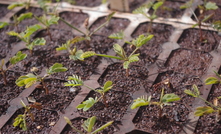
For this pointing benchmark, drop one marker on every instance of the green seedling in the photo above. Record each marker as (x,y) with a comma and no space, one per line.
(74,54)
(213,80)
(20,120)
(88,125)
(74,81)
(14,60)
(118,35)
(121,54)
(165,99)
(31,78)
(26,37)
(47,22)
(87,35)
(25,4)
(202,17)
(216,25)
(143,10)
(213,107)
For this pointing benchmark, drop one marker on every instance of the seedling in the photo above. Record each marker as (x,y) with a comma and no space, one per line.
(213,80)
(143,10)
(202,18)
(25,4)
(48,22)
(14,60)
(138,42)
(20,120)
(87,35)
(74,81)
(74,53)
(213,107)
(26,37)
(31,78)
(88,125)
(165,99)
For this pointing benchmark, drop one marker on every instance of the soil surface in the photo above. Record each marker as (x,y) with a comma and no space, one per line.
(170,9)
(3,10)
(190,39)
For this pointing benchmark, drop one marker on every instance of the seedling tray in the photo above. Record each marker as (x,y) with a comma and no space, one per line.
(169,55)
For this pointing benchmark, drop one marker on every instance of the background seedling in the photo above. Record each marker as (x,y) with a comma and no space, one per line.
(31,78)
(15,59)
(213,107)
(138,42)
(165,99)
(202,18)
(20,4)
(26,37)
(213,80)
(75,80)
(88,125)
(143,10)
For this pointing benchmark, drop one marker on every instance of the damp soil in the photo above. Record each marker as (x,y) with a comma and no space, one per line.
(190,39)
(9,91)
(170,9)
(77,122)
(174,115)
(189,61)
(3,10)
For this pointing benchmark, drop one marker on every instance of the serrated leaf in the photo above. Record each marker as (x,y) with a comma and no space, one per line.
(211,6)
(77,55)
(53,20)
(14,5)
(87,104)
(63,47)
(203,110)
(3,24)
(211,80)
(56,68)
(141,40)
(140,10)
(88,54)
(24,16)
(31,29)
(170,98)
(119,50)
(74,81)
(157,5)
(134,58)
(18,57)
(119,35)
(77,39)
(36,42)
(140,102)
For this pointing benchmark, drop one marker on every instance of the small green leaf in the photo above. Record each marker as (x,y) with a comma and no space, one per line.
(18,57)
(12,33)
(196,90)
(157,5)
(53,20)
(134,58)
(14,5)
(189,92)
(119,35)
(89,124)
(102,127)
(188,4)
(211,6)
(211,80)
(3,24)
(63,47)
(20,121)
(24,16)
(203,110)
(140,102)
(30,30)
(141,10)
(88,54)
(36,42)
(74,81)
(170,98)
(141,40)
(107,86)
(26,80)
(126,64)
(56,68)
(120,51)
(194,93)
(87,104)
(218,75)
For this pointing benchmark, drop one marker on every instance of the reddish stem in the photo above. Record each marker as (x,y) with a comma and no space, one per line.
(45,87)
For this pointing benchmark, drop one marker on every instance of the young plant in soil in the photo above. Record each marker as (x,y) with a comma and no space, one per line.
(165,99)
(26,37)
(137,43)
(20,120)
(15,59)
(76,81)
(212,108)
(88,125)
(202,17)
(25,4)
(31,78)
(87,35)
(143,10)
(47,22)
(74,54)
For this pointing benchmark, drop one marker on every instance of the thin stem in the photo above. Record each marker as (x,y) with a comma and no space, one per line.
(127,72)
(72,26)
(44,86)
(133,51)
(109,56)
(208,103)
(3,72)
(49,33)
(89,87)
(98,28)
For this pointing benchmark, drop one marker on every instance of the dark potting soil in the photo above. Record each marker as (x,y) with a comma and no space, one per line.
(190,39)
(175,115)
(116,105)
(218,2)
(9,91)
(3,10)
(111,27)
(189,62)
(170,9)
(138,75)
(43,122)
(75,19)
(134,4)
(77,122)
